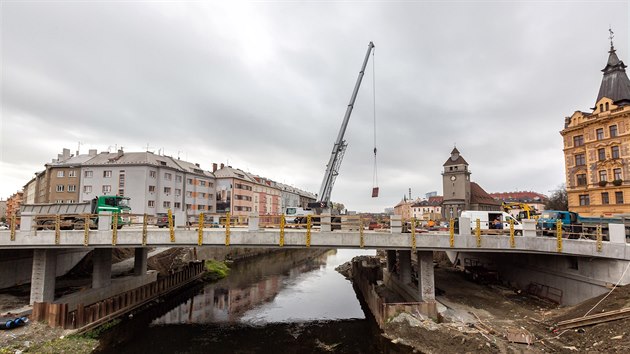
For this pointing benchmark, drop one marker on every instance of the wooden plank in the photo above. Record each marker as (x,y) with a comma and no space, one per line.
(594,319)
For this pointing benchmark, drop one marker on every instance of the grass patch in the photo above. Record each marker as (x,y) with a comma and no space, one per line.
(96,332)
(70,344)
(216,270)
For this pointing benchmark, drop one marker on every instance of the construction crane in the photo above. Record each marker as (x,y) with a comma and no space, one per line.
(339,148)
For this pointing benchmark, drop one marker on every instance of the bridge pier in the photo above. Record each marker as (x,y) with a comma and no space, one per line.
(391,260)
(102,270)
(140,261)
(426,279)
(404,267)
(43,276)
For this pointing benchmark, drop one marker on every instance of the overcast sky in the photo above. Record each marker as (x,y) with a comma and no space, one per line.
(263,86)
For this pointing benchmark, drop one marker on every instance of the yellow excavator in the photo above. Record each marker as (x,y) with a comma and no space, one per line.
(526,211)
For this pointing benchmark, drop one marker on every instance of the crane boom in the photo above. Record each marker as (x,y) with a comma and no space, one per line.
(339,148)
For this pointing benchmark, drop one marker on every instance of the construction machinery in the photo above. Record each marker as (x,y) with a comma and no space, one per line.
(525,211)
(339,147)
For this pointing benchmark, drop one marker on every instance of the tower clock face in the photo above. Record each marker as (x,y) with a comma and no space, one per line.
(453,178)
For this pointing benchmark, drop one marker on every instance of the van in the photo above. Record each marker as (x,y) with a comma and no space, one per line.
(294,215)
(487,218)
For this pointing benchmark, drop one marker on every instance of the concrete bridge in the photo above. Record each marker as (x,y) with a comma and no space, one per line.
(591,265)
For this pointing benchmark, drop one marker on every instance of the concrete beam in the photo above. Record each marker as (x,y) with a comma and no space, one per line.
(102,271)
(395,224)
(404,266)
(43,278)
(426,279)
(140,261)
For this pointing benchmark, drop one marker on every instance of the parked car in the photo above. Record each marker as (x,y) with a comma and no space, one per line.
(4,227)
(162,220)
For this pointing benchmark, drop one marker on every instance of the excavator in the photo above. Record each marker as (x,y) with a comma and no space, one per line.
(525,212)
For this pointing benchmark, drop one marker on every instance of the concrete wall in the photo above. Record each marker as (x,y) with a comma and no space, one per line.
(16,266)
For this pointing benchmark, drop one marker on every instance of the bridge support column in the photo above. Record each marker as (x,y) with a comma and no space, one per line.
(43,276)
(252,224)
(104,221)
(404,266)
(395,224)
(140,261)
(391,261)
(102,271)
(326,221)
(426,280)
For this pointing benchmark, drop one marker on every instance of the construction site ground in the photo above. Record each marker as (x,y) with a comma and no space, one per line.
(477,318)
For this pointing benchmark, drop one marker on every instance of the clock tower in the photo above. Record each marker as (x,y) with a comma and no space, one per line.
(456,185)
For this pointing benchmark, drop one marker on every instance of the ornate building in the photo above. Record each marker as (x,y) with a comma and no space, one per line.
(597,147)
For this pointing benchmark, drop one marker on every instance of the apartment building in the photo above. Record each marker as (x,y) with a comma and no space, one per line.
(597,148)
(13,204)
(267,196)
(234,191)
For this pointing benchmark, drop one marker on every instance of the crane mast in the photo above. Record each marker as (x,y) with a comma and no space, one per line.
(339,148)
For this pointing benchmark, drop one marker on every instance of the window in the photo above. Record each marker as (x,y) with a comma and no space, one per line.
(121,192)
(603,175)
(578,140)
(607,106)
(107,189)
(178,178)
(121,180)
(72,173)
(152,174)
(88,174)
(72,188)
(581,179)
(166,204)
(584,199)
(600,133)
(189,180)
(168,176)
(59,173)
(87,189)
(613,131)
(189,194)
(210,184)
(60,187)
(178,192)
(202,183)
(188,206)
(617,173)
(601,154)
(203,195)
(605,199)
(167,190)
(579,160)
(59,201)
(201,207)
(70,201)
(151,189)
(615,152)
(151,203)
(178,205)
(619,197)
(107,174)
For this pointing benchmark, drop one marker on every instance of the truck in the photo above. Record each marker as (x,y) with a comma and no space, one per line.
(487,220)
(575,226)
(73,215)
(525,211)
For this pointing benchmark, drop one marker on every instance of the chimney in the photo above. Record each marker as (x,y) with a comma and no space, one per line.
(214,167)
(222,165)
(66,154)
(120,152)
(92,152)
(197,165)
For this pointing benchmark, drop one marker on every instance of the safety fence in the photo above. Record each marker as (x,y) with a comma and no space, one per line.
(59,315)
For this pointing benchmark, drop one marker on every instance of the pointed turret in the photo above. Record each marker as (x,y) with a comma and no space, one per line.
(615,84)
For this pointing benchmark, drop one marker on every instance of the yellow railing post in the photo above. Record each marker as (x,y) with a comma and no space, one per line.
(361,239)
(478,233)
(282,221)
(227,228)
(114,228)
(170,225)
(413,234)
(309,222)
(559,235)
(599,238)
(200,236)
(86,230)
(57,229)
(13,222)
(451,230)
(512,243)
(145,223)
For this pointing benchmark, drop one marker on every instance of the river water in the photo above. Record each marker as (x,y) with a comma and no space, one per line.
(291,301)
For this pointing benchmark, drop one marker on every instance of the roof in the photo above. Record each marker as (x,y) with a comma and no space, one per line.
(230,172)
(615,84)
(480,196)
(521,196)
(455,159)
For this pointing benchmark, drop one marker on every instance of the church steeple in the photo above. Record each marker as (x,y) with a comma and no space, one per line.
(615,83)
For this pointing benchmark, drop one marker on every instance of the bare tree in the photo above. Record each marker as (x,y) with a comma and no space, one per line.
(558,199)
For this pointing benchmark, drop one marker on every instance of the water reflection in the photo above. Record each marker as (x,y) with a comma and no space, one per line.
(292,286)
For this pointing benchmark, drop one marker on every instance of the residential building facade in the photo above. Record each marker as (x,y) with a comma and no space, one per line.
(597,147)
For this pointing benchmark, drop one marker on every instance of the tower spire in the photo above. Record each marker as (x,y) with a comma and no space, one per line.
(611,36)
